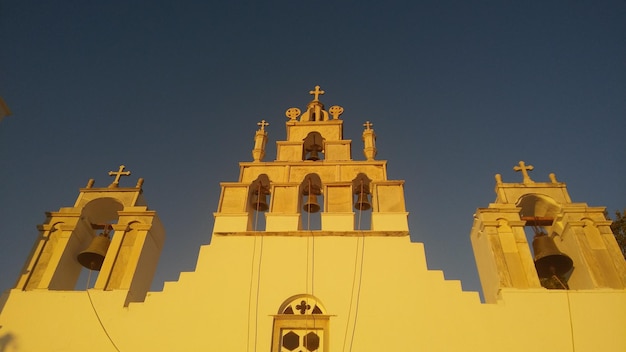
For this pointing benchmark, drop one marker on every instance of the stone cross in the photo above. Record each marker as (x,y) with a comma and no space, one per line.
(316,93)
(368,125)
(118,175)
(524,169)
(262,124)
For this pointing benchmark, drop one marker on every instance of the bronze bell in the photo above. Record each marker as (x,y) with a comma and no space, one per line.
(313,152)
(259,202)
(362,203)
(93,257)
(549,261)
(311,205)
(313,155)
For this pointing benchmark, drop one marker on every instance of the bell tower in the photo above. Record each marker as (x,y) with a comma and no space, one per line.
(69,241)
(573,246)
(313,172)
(318,208)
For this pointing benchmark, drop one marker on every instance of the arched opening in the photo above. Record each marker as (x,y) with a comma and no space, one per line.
(313,147)
(311,201)
(259,200)
(362,202)
(554,267)
(100,214)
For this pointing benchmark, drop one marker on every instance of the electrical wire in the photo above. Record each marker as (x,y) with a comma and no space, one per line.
(358,295)
(571,325)
(250,292)
(252,267)
(308,228)
(258,276)
(361,243)
(356,259)
(258,290)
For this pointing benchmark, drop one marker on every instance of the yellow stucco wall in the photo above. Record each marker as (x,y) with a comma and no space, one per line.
(378,291)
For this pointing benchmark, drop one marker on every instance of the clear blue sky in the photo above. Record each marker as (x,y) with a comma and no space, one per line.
(457,91)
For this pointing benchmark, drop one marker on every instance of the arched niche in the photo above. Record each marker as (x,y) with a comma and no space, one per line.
(100,213)
(362,201)
(311,201)
(313,147)
(311,186)
(361,191)
(257,194)
(553,266)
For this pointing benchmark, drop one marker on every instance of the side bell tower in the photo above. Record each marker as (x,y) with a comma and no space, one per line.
(573,245)
(68,241)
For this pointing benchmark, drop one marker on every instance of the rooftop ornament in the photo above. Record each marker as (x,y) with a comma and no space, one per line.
(524,169)
(118,174)
(315,110)
(262,124)
(316,93)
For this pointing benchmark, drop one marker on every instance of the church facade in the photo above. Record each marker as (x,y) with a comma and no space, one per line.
(291,267)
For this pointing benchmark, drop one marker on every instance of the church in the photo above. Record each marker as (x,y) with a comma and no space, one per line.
(311,252)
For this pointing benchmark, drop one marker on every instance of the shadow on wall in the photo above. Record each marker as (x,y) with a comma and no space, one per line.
(8,343)
(4,297)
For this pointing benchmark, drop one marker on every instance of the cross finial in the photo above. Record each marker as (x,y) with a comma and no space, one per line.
(263,123)
(316,93)
(118,175)
(368,125)
(524,169)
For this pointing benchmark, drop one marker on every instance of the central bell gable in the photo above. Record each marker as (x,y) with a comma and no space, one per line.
(313,172)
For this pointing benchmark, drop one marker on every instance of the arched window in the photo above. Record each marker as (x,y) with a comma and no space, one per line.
(301,325)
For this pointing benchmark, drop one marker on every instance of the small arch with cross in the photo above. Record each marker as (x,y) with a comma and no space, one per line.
(302,304)
(301,324)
